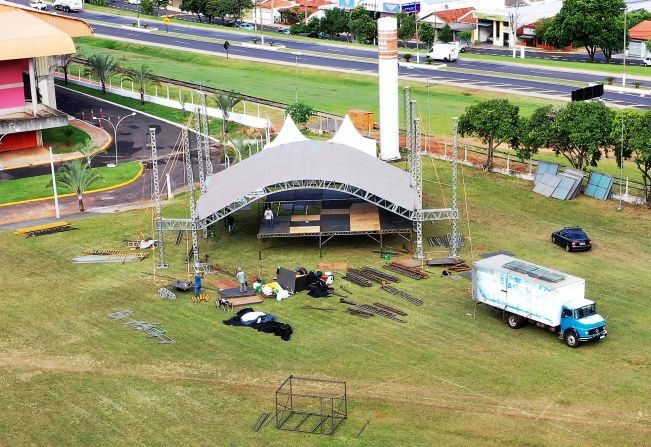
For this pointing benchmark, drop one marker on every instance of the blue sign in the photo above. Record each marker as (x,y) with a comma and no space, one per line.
(347,4)
(411,7)
(391,7)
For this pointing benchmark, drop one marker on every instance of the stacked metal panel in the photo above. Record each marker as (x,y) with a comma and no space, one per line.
(579,175)
(599,186)
(547,184)
(545,167)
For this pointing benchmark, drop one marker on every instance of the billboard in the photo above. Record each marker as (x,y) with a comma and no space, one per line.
(347,4)
(411,7)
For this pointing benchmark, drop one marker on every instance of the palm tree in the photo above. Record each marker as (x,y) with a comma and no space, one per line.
(86,148)
(226,102)
(232,152)
(103,66)
(79,177)
(142,78)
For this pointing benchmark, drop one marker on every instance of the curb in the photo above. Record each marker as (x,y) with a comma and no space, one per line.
(108,188)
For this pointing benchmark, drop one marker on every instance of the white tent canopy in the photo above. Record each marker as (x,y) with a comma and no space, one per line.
(349,136)
(288,134)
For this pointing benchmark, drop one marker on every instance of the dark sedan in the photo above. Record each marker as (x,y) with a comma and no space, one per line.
(572,239)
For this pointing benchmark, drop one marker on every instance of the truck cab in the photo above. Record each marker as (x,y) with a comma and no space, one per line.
(581,322)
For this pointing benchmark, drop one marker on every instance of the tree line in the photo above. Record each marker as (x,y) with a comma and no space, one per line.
(581,132)
(211,9)
(596,25)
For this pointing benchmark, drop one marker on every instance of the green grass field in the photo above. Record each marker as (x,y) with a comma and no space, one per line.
(453,375)
(327,91)
(59,142)
(37,186)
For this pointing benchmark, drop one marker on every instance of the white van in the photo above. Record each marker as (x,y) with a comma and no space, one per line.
(444,52)
(68,5)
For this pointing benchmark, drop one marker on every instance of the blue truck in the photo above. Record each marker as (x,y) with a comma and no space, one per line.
(527,293)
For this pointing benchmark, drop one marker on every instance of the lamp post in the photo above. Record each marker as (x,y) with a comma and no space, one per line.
(624,66)
(296,54)
(115,131)
(620,207)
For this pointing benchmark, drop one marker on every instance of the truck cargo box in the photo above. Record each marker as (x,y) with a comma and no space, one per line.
(525,289)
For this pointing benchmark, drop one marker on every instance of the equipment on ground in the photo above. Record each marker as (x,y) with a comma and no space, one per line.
(166,293)
(152,330)
(403,295)
(40,230)
(410,272)
(525,292)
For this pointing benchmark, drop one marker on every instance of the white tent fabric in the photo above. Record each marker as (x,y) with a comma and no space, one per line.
(349,135)
(310,160)
(288,134)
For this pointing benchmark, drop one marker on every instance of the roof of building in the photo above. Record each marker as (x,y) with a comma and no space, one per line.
(456,15)
(641,31)
(276,4)
(29,33)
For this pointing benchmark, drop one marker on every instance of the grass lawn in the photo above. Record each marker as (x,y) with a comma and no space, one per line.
(37,187)
(327,91)
(62,144)
(453,375)
(616,70)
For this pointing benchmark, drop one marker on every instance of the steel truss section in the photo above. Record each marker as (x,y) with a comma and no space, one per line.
(206,134)
(454,244)
(200,161)
(156,182)
(417,184)
(408,120)
(190,180)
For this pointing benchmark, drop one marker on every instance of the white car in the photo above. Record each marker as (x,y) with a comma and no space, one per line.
(38,5)
(246,26)
(647,61)
(134,2)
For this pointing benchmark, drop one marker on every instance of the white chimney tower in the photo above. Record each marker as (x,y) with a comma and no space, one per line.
(388,73)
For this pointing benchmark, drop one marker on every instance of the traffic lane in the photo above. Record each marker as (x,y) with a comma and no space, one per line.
(466,79)
(524,71)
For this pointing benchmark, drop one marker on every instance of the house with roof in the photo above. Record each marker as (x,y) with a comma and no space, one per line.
(30,44)
(458,19)
(268,11)
(640,34)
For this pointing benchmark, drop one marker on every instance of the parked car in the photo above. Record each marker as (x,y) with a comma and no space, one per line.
(245,26)
(133,2)
(572,239)
(462,46)
(38,5)
(283,31)
(647,61)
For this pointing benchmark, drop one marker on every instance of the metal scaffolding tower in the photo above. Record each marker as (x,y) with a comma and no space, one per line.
(156,183)
(206,134)
(417,183)
(408,125)
(193,209)
(454,242)
(200,160)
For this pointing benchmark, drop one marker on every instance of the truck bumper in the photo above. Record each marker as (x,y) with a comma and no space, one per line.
(598,336)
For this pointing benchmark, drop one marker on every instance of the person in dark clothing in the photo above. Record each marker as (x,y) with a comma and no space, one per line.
(230,224)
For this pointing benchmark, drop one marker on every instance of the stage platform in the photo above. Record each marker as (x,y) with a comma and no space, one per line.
(325,219)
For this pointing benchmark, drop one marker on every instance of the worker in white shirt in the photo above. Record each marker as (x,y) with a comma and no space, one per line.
(241,277)
(269,218)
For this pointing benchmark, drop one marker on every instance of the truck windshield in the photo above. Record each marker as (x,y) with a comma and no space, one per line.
(585,311)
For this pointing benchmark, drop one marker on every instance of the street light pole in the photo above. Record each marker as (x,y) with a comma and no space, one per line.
(624,67)
(296,76)
(621,168)
(115,131)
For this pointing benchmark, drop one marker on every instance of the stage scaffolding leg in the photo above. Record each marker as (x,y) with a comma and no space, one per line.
(193,209)
(156,183)
(259,249)
(417,182)
(454,243)
(200,138)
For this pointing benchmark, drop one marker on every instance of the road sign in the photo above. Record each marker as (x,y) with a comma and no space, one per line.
(227,45)
(584,94)
(166,19)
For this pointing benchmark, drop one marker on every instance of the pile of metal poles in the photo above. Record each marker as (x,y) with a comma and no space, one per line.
(152,330)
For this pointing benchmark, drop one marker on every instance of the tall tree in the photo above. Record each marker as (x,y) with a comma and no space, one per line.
(631,137)
(406,25)
(226,102)
(334,22)
(495,121)
(446,34)
(361,25)
(78,177)
(541,27)
(581,132)
(103,66)
(147,7)
(465,36)
(588,23)
(141,78)
(535,131)
(426,34)
(193,6)
(64,62)
(86,148)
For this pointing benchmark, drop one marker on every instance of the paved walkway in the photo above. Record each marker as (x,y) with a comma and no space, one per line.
(38,156)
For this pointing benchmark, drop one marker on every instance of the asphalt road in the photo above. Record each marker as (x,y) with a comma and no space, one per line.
(328,56)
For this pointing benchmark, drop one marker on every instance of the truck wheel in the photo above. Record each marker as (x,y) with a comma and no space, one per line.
(571,339)
(567,248)
(514,321)
(553,239)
